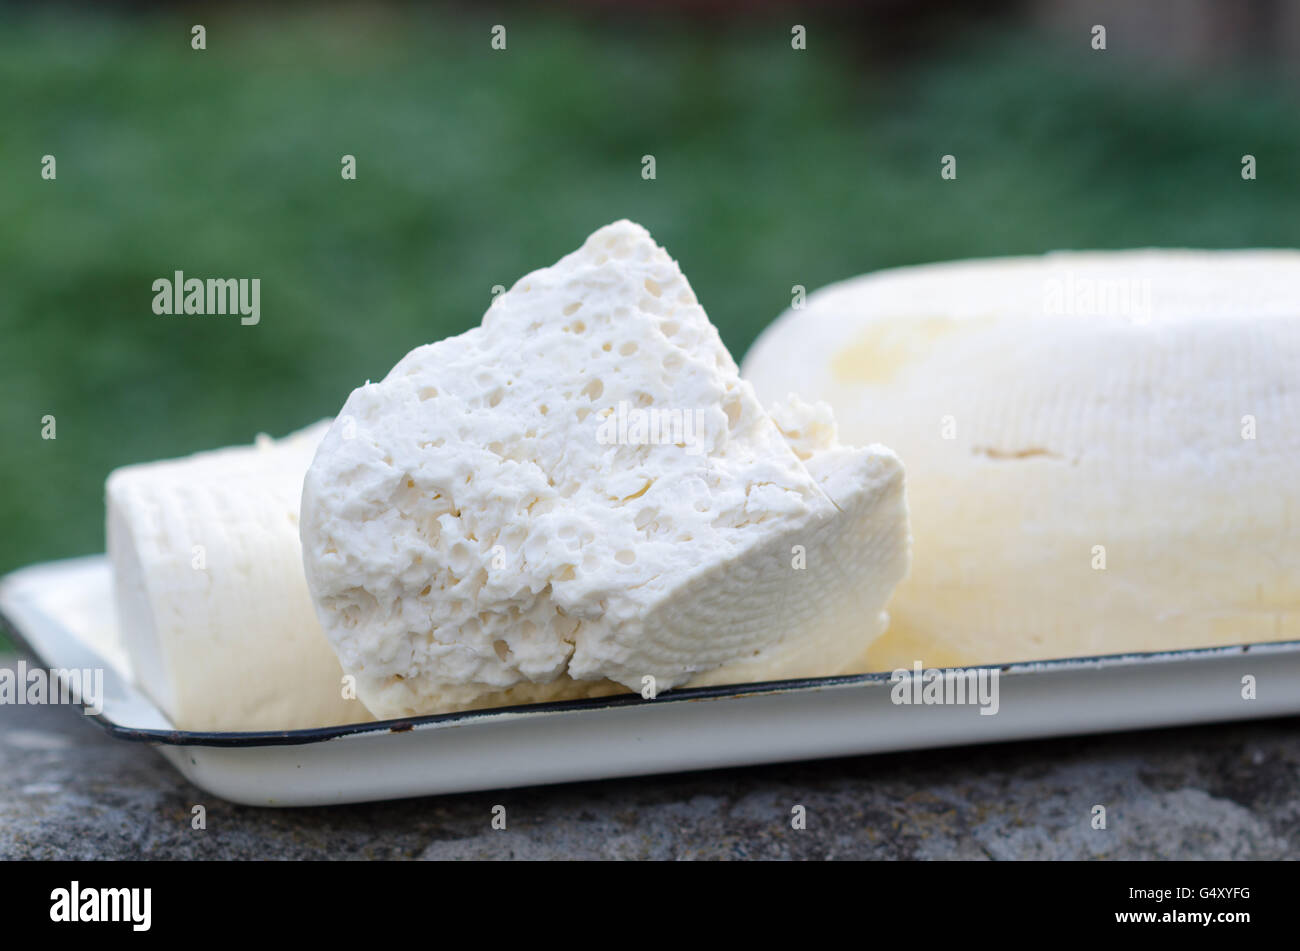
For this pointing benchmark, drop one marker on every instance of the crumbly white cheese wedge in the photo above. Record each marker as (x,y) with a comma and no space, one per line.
(211,600)
(1102,448)
(582,493)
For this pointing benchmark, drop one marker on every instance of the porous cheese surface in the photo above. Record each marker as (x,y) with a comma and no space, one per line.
(1101,448)
(210,596)
(582,493)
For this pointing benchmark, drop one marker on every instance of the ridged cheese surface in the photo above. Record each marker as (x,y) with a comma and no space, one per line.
(211,600)
(495,520)
(1102,449)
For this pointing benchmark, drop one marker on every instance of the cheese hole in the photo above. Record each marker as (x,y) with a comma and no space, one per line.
(572,308)
(564,625)
(639,492)
(653,287)
(579,327)
(502,649)
(427,589)
(669,328)
(626,557)
(542,409)
(607,346)
(428,392)
(627,349)
(593,389)
(496,397)
(583,414)
(673,362)
(566,573)
(732,409)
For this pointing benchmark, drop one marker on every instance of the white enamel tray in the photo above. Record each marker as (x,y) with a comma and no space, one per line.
(63,612)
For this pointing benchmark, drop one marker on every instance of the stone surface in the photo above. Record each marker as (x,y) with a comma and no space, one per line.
(68,790)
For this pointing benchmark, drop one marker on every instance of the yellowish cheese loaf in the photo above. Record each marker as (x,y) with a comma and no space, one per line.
(1102,449)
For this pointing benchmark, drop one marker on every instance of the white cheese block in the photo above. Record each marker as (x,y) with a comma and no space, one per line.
(1103,449)
(581,494)
(211,599)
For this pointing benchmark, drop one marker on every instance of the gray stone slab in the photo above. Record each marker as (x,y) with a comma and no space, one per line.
(68,790)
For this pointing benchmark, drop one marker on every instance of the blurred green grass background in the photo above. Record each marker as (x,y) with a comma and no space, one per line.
(774,167)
